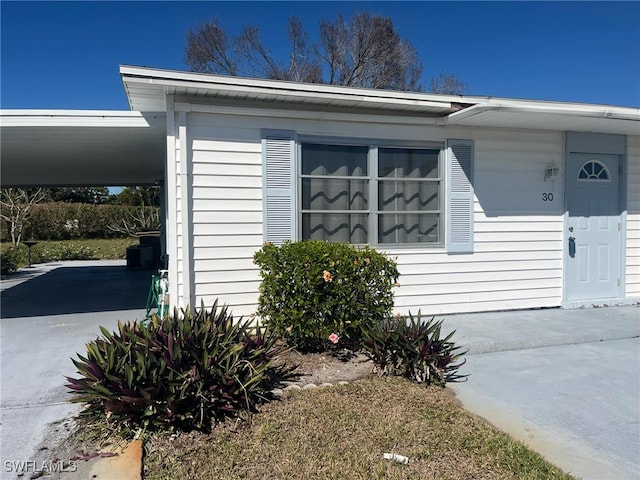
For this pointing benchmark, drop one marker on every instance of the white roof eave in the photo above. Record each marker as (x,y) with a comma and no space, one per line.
(159,83)
(549,116)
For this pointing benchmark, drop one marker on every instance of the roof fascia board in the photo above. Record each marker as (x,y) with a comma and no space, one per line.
(171,77)
(80,118)
(373,100)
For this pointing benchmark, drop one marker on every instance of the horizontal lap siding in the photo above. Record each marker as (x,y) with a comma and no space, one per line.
(632,286)
(517,259)
(227,211)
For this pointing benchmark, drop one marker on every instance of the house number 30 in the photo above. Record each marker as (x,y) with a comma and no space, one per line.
(547,197)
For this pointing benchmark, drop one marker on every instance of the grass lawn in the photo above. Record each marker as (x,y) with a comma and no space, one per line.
(77,249)
(342,432)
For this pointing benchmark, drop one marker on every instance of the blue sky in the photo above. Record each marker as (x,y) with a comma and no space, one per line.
(65,55)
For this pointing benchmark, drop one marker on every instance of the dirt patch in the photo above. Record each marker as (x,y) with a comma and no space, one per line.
(328,367)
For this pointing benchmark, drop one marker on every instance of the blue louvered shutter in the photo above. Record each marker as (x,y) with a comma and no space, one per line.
(278,186)
(460,196)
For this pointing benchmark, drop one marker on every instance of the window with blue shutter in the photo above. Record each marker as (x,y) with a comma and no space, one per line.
(368,194)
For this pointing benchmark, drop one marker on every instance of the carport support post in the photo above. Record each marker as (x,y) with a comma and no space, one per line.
(186,204)
(171,200)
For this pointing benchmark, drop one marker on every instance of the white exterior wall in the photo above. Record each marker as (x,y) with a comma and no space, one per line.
(518,238)
(227,211)
(632,268)
(517,260)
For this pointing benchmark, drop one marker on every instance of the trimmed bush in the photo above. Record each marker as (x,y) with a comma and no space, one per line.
(412,348)
(9,260)
(312,290)
(184,371)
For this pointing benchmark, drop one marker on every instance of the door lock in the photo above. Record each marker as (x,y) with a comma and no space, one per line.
(571,229)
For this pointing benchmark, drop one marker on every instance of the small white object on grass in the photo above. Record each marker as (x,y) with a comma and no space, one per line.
(396,457)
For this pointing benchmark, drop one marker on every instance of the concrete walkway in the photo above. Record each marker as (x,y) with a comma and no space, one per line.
(565,382)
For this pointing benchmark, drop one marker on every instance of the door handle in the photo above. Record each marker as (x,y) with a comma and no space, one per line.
(572,247)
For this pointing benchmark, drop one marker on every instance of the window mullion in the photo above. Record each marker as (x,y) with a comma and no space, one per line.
(373,195)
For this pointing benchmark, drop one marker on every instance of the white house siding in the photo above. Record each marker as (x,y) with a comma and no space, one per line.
(517,261)
(227,210)
(632,285)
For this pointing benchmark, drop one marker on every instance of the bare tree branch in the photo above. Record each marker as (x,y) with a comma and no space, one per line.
(302,66)
(364,51)
(210,51)
(447,84)
(15,208)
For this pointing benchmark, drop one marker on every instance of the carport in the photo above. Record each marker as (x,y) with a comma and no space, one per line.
(42,148)
(51,311)
(45,148)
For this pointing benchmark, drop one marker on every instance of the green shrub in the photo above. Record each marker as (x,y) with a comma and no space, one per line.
(65,221)
(412,348)
(313,289)
(64,251)
(9,260)
(184,371)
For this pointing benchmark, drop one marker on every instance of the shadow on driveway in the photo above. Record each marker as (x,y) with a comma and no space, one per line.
(78,289)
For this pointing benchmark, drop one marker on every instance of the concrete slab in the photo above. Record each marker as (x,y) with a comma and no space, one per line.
(35,350)
(74,287)
(522,329)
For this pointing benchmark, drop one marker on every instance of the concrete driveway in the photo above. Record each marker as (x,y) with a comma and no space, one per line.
(47,315)
(566,382)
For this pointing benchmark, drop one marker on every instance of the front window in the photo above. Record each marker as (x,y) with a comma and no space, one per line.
(371,194)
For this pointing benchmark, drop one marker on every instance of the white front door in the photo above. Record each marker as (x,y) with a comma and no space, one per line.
(592,233)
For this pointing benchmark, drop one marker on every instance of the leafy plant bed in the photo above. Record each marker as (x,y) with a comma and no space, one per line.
(342,432)
(79,249)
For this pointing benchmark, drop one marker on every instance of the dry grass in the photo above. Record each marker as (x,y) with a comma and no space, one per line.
(342,432)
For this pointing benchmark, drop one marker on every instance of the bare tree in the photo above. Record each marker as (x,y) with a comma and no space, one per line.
(210,50)
(365,51)
(15,208)
(368,52)
(447,84)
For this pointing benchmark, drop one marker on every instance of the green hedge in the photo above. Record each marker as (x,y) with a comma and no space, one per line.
(65,221)
(316,293)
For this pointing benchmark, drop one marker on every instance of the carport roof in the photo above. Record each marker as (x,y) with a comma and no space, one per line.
(67,148)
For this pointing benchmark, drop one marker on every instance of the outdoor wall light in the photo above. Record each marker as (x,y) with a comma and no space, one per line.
(551,173)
